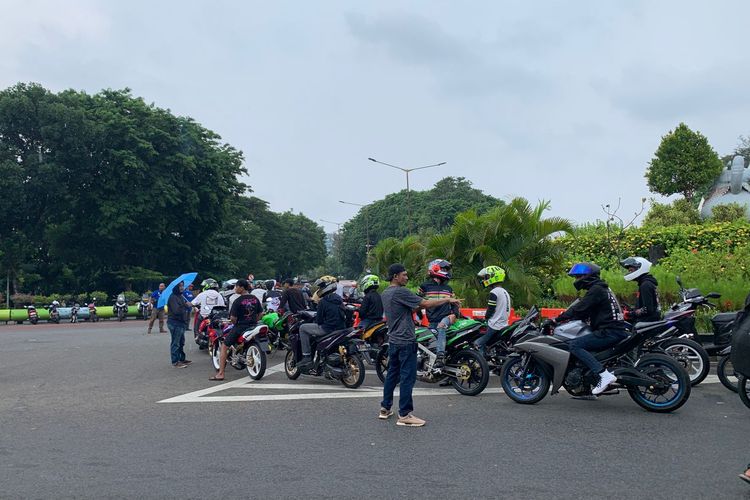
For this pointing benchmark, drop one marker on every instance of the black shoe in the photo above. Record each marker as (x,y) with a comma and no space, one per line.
(439,361)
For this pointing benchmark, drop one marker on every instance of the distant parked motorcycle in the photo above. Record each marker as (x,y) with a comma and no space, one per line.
(32,314)
(54,314)
(92,311)
(120,309)
(74,312)
(144,307)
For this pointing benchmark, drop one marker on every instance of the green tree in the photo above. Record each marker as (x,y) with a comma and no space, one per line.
(684,163)
(432,211)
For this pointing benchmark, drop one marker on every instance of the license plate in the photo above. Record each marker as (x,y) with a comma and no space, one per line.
(363,348)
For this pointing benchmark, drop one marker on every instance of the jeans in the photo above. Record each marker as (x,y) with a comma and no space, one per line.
(441,327)
(402,370)
(305,332)
(596,341)
(485,339)
(177,331)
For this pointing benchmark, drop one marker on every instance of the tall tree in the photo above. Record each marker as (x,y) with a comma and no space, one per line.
(684,163)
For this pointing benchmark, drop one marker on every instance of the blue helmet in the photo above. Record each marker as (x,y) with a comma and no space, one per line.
(581,269)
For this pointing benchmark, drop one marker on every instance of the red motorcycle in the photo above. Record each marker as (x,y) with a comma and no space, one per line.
(249,351)
(217,319)
(33,315)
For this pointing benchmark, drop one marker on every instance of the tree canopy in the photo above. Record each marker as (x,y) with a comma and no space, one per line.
(684,163)
(105,190)
(432,211)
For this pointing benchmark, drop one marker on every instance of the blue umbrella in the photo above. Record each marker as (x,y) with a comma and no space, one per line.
(186,279)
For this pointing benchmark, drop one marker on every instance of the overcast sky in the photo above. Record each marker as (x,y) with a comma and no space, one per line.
(565,101)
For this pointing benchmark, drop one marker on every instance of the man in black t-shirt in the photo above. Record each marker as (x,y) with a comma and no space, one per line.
(292,299)
(244,315)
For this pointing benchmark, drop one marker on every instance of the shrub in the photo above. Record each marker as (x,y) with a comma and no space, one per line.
(678,212)
(728,212)
(132,297)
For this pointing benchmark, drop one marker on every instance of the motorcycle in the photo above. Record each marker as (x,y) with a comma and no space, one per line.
(120,309)
(654,381)
(725,370)
(374,336)
(337,356)
(465,368)
(721,323)
(277,329)
(54,314)
(249,352)
(74,312)
(144,307)
(740,352)
(500,346)
(217,319)
(32,314)
(92,311)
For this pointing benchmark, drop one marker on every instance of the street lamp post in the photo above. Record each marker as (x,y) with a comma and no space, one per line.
(408,191)
(367,227)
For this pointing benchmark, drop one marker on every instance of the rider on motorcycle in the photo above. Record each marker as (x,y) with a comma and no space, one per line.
(647,305)
(442,317)
(371,310)
(498,303)
(207,300)
(330,317)
(600,308)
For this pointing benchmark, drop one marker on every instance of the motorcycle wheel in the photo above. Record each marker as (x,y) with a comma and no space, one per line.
(255,361)
(664,368)
(33,321)
(381,362)
(525,385)
(290,366)
(691,355)
(475,370)
(726,373)
(216,355)
(356,368)
(743,387)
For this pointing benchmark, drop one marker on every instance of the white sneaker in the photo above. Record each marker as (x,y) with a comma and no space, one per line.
(605,379)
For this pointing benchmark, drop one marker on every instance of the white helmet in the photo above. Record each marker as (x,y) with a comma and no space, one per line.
(55,303)
(641,265)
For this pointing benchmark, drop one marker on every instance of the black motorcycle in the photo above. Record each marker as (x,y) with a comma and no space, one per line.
(725,370)
(336,356)
(654,381)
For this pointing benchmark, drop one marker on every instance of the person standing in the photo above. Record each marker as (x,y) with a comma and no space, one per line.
(157,312)
(399,305)
(178,320)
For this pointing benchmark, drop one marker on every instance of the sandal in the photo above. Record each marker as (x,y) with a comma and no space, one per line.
(744,475)
(216,379)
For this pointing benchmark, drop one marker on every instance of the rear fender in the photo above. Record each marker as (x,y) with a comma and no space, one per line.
(556,358)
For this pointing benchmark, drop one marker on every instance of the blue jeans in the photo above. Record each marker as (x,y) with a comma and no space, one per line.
(597,341)
(402,370)
(484,339)
(441,327)
(177,331)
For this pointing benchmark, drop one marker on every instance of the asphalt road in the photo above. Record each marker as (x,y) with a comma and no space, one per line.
(82,415)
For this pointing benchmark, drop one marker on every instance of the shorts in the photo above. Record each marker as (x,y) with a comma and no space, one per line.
(157,313)
(231,338)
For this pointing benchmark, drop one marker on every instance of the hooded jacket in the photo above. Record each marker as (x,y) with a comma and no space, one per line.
(330,313)
(599,307)
(647,305)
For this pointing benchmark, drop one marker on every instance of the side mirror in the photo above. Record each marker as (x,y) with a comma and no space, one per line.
(713,295)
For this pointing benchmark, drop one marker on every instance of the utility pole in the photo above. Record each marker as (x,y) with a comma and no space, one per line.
(408,190)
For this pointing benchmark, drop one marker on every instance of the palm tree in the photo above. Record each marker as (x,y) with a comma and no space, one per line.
(410,252)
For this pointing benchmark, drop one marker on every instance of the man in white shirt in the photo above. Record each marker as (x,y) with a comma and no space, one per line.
(498,303)
(207,300)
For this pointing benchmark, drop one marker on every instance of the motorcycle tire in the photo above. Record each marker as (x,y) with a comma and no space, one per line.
(697,363)
(381,363)
(356,368)
(290,366)
(33,321)
(726,373)
(535,375)
(743,387)
(478,372)
(215,353)
(255,361)
(654,365)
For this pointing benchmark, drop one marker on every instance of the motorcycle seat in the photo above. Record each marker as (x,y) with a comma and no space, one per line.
(335,332)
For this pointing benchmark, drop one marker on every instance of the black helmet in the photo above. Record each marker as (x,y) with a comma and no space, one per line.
(270,284)
(585,273)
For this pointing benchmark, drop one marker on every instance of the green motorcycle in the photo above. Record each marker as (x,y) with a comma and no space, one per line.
(465,369)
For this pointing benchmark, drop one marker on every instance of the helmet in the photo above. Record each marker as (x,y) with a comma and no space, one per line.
(55,303)
(641,265)
(368,282)
(209,283)
(491,275)
(585,274)
(325,285)
(228,284)
(439,268)
(270,284)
